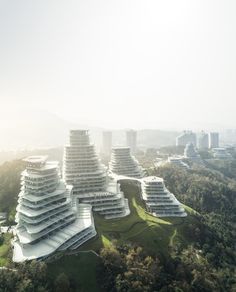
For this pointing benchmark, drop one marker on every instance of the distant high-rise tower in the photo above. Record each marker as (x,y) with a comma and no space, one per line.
(213,140)
(185,138)
(106,142)
(203,140)
(131,140)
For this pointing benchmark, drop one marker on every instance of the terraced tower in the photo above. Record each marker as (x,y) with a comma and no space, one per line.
(91,184)
(82,167)
(123,163)
(46,220)
(159,201)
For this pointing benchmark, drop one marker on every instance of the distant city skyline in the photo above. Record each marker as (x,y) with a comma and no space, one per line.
(126,64)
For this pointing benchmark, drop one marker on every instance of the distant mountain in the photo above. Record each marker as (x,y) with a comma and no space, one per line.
(36,129)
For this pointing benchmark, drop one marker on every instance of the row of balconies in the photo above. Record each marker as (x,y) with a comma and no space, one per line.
(91,234)
(85,175)
(40,197)
(36,214)
(101,202)
(41,204)
(33,239)
(33,229)
(79,237)
(43,188)
(40,177)
(26,238)
(82,169)
(41,182)
(112,211)
(38,219)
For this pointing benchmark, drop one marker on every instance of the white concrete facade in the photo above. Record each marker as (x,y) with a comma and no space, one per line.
(123,163)
(159,201)
(46,220)
(91,184)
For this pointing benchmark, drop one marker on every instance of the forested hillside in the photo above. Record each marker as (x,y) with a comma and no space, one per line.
(140,252)
(10,186)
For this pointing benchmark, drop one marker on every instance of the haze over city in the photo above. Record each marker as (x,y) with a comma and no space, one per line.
(125,64)
(118,145)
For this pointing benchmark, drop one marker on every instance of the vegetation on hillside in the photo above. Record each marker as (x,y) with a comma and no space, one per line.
(141,252)
(10,187)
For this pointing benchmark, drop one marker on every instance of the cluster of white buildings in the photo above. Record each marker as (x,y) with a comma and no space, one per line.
(131,141)
(55,214)
(202,141)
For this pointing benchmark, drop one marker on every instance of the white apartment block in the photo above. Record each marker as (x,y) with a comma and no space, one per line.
(123,163)
(46,220)
(91,184)
(159,201)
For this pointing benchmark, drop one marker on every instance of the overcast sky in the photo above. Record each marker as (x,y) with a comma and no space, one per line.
(131,63)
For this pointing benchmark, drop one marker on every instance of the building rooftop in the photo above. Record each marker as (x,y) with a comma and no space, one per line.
(36,159)
(152,179)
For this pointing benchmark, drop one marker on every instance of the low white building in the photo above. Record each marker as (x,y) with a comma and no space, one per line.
(177,161)
(221,153)
(46,220)
(159,201)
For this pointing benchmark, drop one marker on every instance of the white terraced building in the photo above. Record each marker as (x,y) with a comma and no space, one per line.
(123,163)
(81,165)
(177,161)
(83,169)
(159,201)
(46,220)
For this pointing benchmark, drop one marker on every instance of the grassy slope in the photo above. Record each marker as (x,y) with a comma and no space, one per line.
(156,235)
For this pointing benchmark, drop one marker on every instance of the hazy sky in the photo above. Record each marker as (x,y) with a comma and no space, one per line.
(121,63)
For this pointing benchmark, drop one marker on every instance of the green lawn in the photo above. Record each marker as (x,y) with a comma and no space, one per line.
(156,235)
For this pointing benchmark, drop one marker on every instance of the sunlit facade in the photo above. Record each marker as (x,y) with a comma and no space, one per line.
(159,201)
(83,169)
(46,220)
(123,163)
